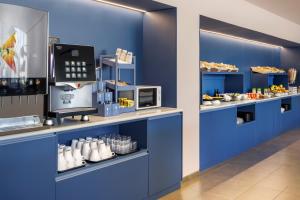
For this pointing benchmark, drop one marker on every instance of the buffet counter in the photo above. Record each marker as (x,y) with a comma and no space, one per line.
(152,170)
(223,135)
(232,104)
(70,124)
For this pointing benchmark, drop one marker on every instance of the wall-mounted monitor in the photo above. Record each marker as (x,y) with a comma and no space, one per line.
(23,50)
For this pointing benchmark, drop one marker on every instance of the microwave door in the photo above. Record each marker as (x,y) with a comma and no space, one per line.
(147,98)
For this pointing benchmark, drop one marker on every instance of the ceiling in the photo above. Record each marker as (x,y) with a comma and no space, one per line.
(288,9)
(214,25)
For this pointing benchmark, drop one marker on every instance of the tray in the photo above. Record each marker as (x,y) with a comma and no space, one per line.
(83,165)
(89,161)
(120,154)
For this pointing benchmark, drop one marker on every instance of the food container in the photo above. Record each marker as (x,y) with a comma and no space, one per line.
(207,103)
(216,102)
(237,98)
(227,98)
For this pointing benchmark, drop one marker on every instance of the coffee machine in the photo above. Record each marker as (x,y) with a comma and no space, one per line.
(71,77)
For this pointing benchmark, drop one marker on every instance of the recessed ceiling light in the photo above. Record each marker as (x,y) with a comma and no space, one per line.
(243,39)
(122,6)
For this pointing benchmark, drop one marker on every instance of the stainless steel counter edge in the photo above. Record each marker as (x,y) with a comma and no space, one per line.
(226,105)
(97,120)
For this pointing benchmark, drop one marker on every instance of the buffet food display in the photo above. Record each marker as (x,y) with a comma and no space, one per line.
(217,67)
(267,70)
(255,94)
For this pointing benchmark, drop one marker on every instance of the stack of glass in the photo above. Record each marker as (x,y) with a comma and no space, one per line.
(120,144)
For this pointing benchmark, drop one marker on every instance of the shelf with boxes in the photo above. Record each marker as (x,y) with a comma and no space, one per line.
(114,96)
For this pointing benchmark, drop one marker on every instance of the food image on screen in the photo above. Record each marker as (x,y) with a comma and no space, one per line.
(13,54)
(23,50)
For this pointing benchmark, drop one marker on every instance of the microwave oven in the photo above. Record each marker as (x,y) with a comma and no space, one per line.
(147,97)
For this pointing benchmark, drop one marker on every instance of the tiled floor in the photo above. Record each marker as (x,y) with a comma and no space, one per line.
(269,171)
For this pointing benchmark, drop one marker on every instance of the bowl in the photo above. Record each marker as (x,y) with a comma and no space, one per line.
(227,98)
(207,103)
(237,98)
(216,102)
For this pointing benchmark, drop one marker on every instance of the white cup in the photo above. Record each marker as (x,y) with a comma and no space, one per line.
(108,152)
(60,150)
(79,163)
(80,144)
(99,142)
(61,162)
(88,138)
(101,147)
(74,144)
(81,140)
(69,157)
(95,157)
(86,149)
(77,154)
(94,145)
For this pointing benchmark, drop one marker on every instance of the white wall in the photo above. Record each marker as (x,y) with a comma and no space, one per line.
(238,12)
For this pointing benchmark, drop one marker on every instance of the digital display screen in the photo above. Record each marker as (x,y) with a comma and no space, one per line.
(23,42)
(75,53)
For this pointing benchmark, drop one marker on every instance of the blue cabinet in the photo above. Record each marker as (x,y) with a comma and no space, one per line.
(268,120)
(217,131)
(244,137)
(124,178)
(296,111)
(165,153)
(28,168)
(221,138)
(286,122)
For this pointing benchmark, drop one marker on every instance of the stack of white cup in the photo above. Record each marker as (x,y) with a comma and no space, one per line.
(92,149)
(69,158)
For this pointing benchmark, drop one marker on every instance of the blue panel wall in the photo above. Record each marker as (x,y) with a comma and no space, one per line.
(92,23)
(217,48)
(160,53)
(212,83)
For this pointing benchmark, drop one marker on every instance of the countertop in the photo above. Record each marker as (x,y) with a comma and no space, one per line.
(70,124)
(232,104)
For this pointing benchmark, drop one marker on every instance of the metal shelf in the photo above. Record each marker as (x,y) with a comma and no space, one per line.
(112,62)
(120,88)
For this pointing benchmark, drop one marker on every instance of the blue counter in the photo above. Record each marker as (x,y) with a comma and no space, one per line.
(29,163)
(221,138)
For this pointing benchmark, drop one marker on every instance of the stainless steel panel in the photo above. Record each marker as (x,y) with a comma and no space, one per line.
(67,97)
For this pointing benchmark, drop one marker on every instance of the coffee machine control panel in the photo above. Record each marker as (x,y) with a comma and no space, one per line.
(72,63)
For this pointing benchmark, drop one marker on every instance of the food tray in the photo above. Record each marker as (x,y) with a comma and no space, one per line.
(83,165)
(114,156)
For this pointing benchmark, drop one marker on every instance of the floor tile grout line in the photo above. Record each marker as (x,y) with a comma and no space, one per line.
(280,193)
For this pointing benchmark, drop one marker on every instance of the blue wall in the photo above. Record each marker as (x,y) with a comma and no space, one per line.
(92,23)
(217,48)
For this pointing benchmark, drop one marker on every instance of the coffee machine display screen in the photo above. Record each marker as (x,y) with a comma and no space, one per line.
(75,53)
(23,50)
